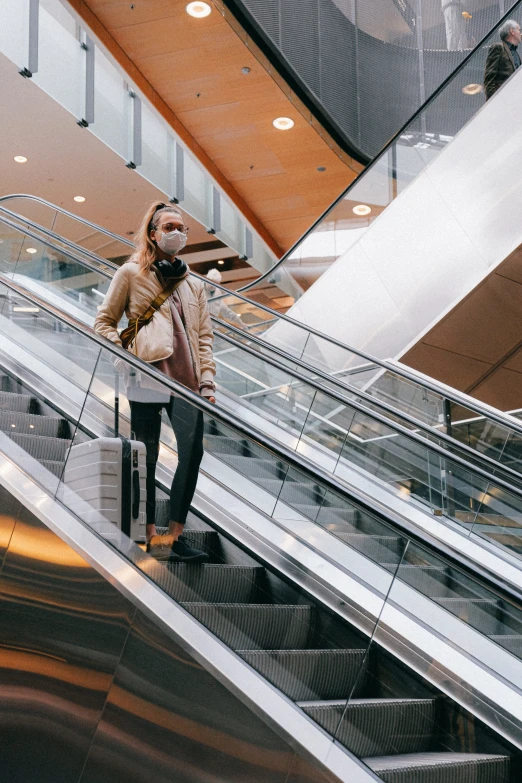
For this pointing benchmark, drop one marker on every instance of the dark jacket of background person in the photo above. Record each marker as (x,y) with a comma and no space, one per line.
(499,67)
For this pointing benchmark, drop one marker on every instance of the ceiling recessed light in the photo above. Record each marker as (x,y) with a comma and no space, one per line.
(20,158)
(321,168)
(283,123)
(25,309)
(31,250)
(221,262)
(361,209)
(79,199)
(245,69)
(472,89)
(198,9)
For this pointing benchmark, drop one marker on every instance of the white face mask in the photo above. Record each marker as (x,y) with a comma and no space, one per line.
(172,242)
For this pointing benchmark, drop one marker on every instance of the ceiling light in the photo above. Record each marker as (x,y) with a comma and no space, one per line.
(25,309)
(472,89)
(321,168)
(361,209)
(31,250)
(20,159)
(221,262)
(198,9)
(245,69)
(283,123)
(79,199)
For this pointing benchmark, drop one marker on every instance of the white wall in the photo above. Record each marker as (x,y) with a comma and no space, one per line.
(455,222)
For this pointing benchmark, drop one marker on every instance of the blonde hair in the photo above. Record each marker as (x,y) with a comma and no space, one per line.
(145,253)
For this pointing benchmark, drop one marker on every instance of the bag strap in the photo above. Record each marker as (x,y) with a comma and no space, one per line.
(160,299)
(130,332)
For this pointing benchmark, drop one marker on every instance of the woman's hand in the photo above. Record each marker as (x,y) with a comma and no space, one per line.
(212,399)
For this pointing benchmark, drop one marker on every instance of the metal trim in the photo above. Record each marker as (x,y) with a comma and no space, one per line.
(88,119)
(275,709)
(34,12)
(216,210)
(180,173)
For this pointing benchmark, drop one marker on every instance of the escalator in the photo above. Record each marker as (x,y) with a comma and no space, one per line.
(429,188)
(342,647)
(390,447)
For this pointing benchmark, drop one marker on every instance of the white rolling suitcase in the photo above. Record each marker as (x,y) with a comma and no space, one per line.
(107,477)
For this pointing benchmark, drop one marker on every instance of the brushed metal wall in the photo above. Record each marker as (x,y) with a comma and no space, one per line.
(91,690)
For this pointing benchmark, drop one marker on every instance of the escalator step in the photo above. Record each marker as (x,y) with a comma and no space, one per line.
(480,613)
(510,642)
(10,401)
(162,512)
(377,548)
(429,580)
(256,627)
(332,516)
(30,424)
(256,467)
(377,727)
(54,466)
(219,444)
(206,540)
(311,674)
(42,448)
(213,583)
(437,767)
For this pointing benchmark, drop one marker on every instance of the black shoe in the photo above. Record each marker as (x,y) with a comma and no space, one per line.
(188,554)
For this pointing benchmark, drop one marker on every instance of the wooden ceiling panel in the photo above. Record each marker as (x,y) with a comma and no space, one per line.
(191,70)
(287,186)
(175,34)
(117,14)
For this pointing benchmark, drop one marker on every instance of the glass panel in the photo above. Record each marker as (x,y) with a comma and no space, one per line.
(14,35)
(197,191)
(231,226)
(112,107)
(58,44)
(157,150)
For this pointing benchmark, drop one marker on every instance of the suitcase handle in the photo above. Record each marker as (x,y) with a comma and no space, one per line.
(135,494)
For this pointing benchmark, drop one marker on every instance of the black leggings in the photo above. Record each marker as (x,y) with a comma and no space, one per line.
(187,423)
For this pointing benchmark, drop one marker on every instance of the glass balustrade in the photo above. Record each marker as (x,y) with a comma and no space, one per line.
(54,403)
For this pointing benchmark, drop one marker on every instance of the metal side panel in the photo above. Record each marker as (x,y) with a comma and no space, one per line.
(142,695)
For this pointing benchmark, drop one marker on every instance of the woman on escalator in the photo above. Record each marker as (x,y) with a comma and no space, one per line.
(169,327)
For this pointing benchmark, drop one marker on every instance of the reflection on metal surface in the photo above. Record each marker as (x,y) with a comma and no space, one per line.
(82,700)
(62,629)
(171,716)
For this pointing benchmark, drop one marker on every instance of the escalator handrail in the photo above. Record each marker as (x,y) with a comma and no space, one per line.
(390,424)
(455,396)
(339,397)
(315,473)
(386,147)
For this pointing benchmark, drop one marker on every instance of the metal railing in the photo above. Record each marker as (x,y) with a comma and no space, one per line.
(453,395)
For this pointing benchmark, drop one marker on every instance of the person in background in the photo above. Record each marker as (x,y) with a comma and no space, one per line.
(216,303)
(503,57)
(176,339)
(456,38)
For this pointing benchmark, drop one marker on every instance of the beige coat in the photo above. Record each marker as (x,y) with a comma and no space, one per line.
(131,293)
